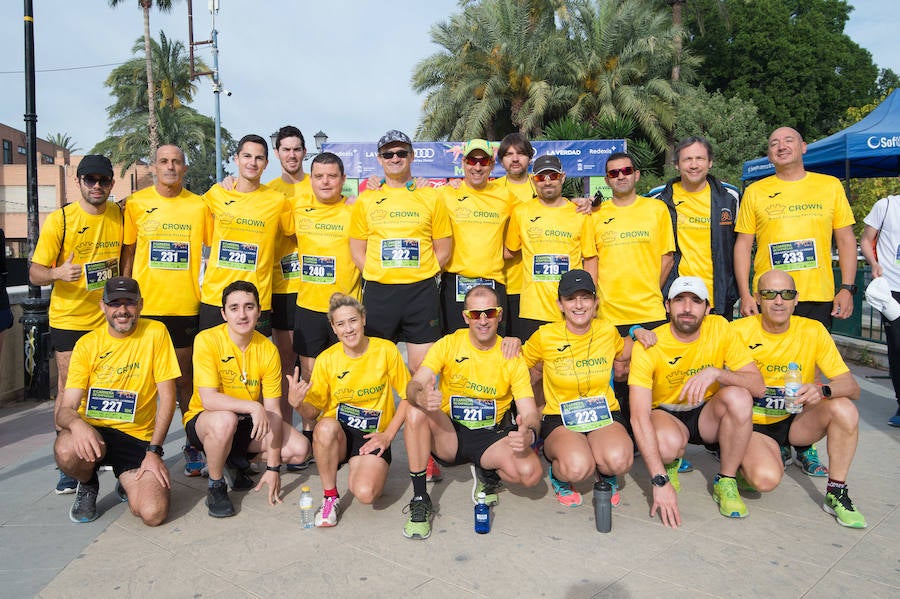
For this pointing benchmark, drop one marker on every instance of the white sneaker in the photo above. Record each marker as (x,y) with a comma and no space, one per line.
(327,514)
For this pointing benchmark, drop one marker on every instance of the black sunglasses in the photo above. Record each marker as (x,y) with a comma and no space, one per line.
(769,294)
(397,153)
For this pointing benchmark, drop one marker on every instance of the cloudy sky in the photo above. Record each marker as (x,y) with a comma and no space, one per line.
(340,66)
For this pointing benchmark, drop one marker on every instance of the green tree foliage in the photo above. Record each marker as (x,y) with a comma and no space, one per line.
(790,57)
(64,141)
(731,125)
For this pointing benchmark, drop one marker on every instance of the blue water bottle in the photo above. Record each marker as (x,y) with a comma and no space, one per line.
(482,516)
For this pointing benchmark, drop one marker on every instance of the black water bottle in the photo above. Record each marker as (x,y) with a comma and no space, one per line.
(603,505)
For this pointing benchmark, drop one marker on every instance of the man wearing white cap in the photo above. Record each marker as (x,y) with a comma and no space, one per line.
(776,338)
(696,385)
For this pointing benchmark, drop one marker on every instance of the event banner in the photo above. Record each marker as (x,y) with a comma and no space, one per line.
(443,159)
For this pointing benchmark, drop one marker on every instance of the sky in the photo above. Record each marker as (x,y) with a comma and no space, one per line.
(342,66)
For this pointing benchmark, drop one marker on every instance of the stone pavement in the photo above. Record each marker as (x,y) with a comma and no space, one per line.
(788,547)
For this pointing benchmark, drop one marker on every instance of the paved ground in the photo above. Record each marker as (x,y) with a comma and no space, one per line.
(788,547)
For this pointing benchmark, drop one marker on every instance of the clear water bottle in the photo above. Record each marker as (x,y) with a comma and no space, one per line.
(792,382)
(603,505)
(482,516)
(307,513)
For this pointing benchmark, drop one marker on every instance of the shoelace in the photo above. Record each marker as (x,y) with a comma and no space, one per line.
(419,511)
(844,499)
(729,488)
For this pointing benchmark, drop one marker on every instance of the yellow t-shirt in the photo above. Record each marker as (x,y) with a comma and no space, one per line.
(477,386)
(119,376)
(793,222)
(326,266)
(806,342)
(663,368)
(479,219)
(250,375)
(512,268)
(631,241)
(694,237)
(358,392)
(575,366)
(286,271)
(246,232)
(168,235)
(553,241)
(399,226)
(96,241)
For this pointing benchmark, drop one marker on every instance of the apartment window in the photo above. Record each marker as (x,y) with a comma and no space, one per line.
(47,159)
(7,152)
(21,150)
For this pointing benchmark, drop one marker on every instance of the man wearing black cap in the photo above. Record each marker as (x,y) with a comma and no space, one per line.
(400,238)
(109,414)
(77,251)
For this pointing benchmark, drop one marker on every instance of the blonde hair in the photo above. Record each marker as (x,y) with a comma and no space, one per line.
(342,300)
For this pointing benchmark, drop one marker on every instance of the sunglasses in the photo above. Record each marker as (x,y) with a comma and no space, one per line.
(614,173)
(769,294)
(397,153)
(541,177)
(487,313)
(91,180)
(482,161)
(121,302)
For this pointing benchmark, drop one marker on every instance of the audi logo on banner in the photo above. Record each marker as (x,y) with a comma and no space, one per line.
(421,153)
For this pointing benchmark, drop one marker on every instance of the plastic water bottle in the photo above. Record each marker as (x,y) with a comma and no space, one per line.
(792,383)
(307,514)
(603,505)
(482,516)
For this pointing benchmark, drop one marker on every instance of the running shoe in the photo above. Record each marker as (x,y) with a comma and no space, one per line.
(301,466)
(786,455)
(418,526)
(614,483)
(84,508)
(237,480)
(672,472)
(743,484)
(686,466)
(841,507)
(725,492)
(66,484)
(808,461)
(487,482)
(433,472)
(194,461)
(217,500)
(120,492)
(565,494)
(327,514)
(895,419)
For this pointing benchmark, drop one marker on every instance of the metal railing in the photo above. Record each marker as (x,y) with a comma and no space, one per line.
(865,323)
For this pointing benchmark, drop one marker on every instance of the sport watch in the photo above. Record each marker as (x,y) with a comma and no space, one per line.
(659,480)
(157,449)
(826,391)
(849,287)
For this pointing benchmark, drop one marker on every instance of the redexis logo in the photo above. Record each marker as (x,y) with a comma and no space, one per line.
(876,142)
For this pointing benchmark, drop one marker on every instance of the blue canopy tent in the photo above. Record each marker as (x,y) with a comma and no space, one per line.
(869,148)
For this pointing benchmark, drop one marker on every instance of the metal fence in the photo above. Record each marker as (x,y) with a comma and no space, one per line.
(865,323)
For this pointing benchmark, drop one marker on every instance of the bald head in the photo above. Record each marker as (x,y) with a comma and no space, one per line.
(776,279)
(480,291)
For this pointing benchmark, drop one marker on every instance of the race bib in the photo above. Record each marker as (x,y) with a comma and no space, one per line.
(400,253)
(772,404)
(111,404)
(290,266)
(317,269)
(585,414)
(170,255)
(463,284)
(473,413)
(793,255)
(359,418)
(238,256)
(96,274)
(549,267)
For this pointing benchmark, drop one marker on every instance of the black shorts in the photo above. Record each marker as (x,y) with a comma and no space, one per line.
(451,309)
(528,327)
(514,325)
(691,419)
(471,444)
(820,311)
(211,316)
(283,307)
(237,456)
(404,312)
(64,340)
(6,318)
(123,452)
(355,441)
(777,430)
(549,422)
(624,328)
(312,332)
(182,329)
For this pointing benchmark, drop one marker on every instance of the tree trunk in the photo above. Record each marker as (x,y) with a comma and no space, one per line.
(152,124)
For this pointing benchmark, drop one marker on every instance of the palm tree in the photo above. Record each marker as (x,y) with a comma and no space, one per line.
(64,141)
(145,5)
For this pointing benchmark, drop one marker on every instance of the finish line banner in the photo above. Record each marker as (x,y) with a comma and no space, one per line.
(443,159)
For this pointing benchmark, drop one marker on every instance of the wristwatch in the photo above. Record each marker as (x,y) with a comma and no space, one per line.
(157,449)
(826,391)
(849,287)
(660,480)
